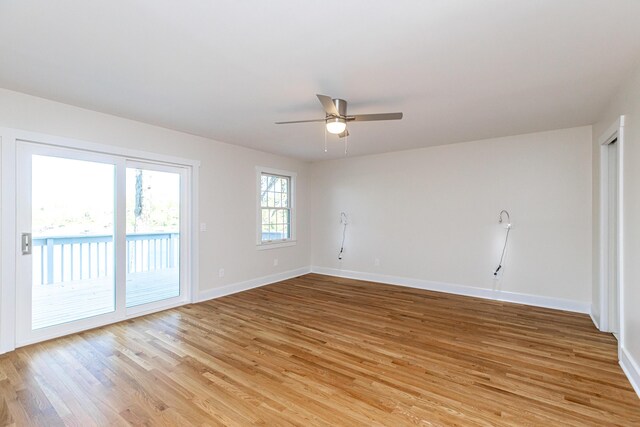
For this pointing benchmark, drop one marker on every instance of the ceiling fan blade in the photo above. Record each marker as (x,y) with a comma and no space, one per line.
(374,117)
(343,134)
(328,105)
(301,121)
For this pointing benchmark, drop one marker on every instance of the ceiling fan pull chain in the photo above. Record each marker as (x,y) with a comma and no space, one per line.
(325,139)
(346,145)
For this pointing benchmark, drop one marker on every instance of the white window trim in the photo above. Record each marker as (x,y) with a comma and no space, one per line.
(260,245)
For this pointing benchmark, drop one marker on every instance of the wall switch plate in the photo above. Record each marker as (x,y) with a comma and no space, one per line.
(203,226)
(275,262)
(221,272)
(376,262)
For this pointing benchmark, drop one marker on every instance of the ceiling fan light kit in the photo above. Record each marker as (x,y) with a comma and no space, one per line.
(336,125)
(336,117)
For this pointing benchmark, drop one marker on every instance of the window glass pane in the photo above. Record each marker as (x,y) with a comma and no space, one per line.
(73,240)
(271,182)
(271,199)
(153,236)
(274,201)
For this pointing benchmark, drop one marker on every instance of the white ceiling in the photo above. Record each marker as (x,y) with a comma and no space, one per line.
(459,69)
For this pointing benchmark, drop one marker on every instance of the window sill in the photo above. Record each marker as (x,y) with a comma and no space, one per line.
(275,245)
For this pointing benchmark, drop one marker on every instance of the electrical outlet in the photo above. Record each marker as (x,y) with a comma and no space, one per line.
(275,262)
(203,226)
(376,262)
(221,272)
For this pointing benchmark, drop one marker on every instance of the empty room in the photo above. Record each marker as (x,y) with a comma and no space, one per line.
(320,213)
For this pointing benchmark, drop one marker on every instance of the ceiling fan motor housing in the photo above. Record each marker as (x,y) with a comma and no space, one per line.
(341,106)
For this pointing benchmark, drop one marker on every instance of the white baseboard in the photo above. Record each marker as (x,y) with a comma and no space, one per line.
(630,368)
(250,284)
(535,300)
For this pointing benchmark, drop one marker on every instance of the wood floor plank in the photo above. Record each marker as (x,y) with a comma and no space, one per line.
(318,350)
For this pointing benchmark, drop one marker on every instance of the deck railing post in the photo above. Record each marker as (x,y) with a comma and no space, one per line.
(49,261)
(171,251)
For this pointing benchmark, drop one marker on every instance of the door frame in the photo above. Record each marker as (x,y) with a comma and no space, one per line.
(8,222)
(615,133)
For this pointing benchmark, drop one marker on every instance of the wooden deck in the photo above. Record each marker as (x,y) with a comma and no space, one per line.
(65,302)
(316,351)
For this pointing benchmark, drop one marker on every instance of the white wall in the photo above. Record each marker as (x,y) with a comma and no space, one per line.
(428,214)
(625,102)
(227,194)
(431,214)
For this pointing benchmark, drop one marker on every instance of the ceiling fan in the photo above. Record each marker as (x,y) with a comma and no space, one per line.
(336,117)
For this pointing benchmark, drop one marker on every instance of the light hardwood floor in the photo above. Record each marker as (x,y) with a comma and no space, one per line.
(317,350)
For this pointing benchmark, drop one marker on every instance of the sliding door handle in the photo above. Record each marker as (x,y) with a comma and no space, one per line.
(26,243)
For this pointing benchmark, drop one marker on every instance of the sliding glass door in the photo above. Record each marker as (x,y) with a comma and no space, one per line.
(101,239)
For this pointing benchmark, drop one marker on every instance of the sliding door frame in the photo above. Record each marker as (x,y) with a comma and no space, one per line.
(185,291)
(25,334)
(10,251)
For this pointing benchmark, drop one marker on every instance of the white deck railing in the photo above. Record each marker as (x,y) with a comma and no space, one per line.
(59,259)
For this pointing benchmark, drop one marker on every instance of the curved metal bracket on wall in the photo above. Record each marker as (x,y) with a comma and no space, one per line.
(500,220)
(506,239)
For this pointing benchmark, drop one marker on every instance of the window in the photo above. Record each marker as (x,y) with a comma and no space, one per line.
(275,207)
